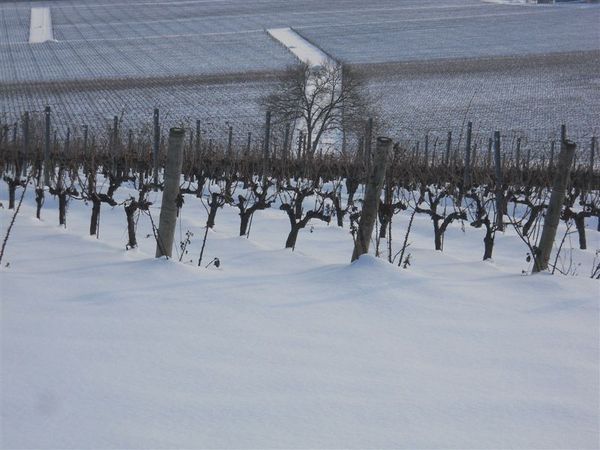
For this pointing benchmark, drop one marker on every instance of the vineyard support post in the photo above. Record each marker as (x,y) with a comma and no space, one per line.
(155,147)
(591,170)
(129,143)
(426,150)
(198,137)
(230,144)
(26,133)
(168,208)
(299,149)
(85,140)
(448,147)
(286,139)
(115,135)
(68,142)
(371,200)
(25,153)
(368,140)
(518,156)
(592,155)
(557,198)
(467,174)
(499,183)
(47,112)
(266,147)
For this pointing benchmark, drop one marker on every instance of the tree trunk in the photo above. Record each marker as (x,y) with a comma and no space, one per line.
(437,234)
(212,212)
(12,189)
(244,221)
(383,225)
(96,203)
(339,211)
(130,212)
(292,237)
(62,208)
(580,225)
(39,200)
(488,243)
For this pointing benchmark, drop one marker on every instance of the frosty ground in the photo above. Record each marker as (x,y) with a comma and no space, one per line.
(108,348)
(125,58)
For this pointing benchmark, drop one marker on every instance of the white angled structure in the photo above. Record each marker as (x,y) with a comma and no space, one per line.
(40,26)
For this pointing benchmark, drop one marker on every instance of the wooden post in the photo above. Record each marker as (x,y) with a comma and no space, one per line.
(129,143)
(499,183)
(467,174)
(115,135)
(300,140)
(592,155)
(26,132)
(518,156)
(68,142)
(591,170)
(286,139)
(266,151)
(230,144)
(557,198)
(155,147)
(426,150)
(448,147)
(47,112)
(85,139)
(168,208)
(372,196)
(198,141)
(368,141)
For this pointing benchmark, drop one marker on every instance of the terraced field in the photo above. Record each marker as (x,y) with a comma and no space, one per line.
(431,64)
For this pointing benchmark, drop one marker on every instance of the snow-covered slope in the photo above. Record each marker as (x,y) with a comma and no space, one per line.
(107,348)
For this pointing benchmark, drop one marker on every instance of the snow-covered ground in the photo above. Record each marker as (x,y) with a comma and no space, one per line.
(107,348)
(300,47)
(40,26)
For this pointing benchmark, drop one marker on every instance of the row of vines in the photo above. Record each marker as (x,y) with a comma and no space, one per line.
(488,188)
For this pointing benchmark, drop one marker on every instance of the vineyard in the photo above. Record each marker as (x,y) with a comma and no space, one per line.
(134,330)
(184,264)
(215,63)
(472,180)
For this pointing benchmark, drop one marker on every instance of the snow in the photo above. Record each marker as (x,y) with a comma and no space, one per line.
(40,26)
(107,348)
(509,2)
(304,50)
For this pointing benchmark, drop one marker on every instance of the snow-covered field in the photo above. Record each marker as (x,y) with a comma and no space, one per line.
(125,58)
(107,348)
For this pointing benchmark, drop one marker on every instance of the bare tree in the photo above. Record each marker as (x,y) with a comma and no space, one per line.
(318,99)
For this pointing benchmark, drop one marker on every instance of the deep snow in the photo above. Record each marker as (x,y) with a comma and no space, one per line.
(107,348)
